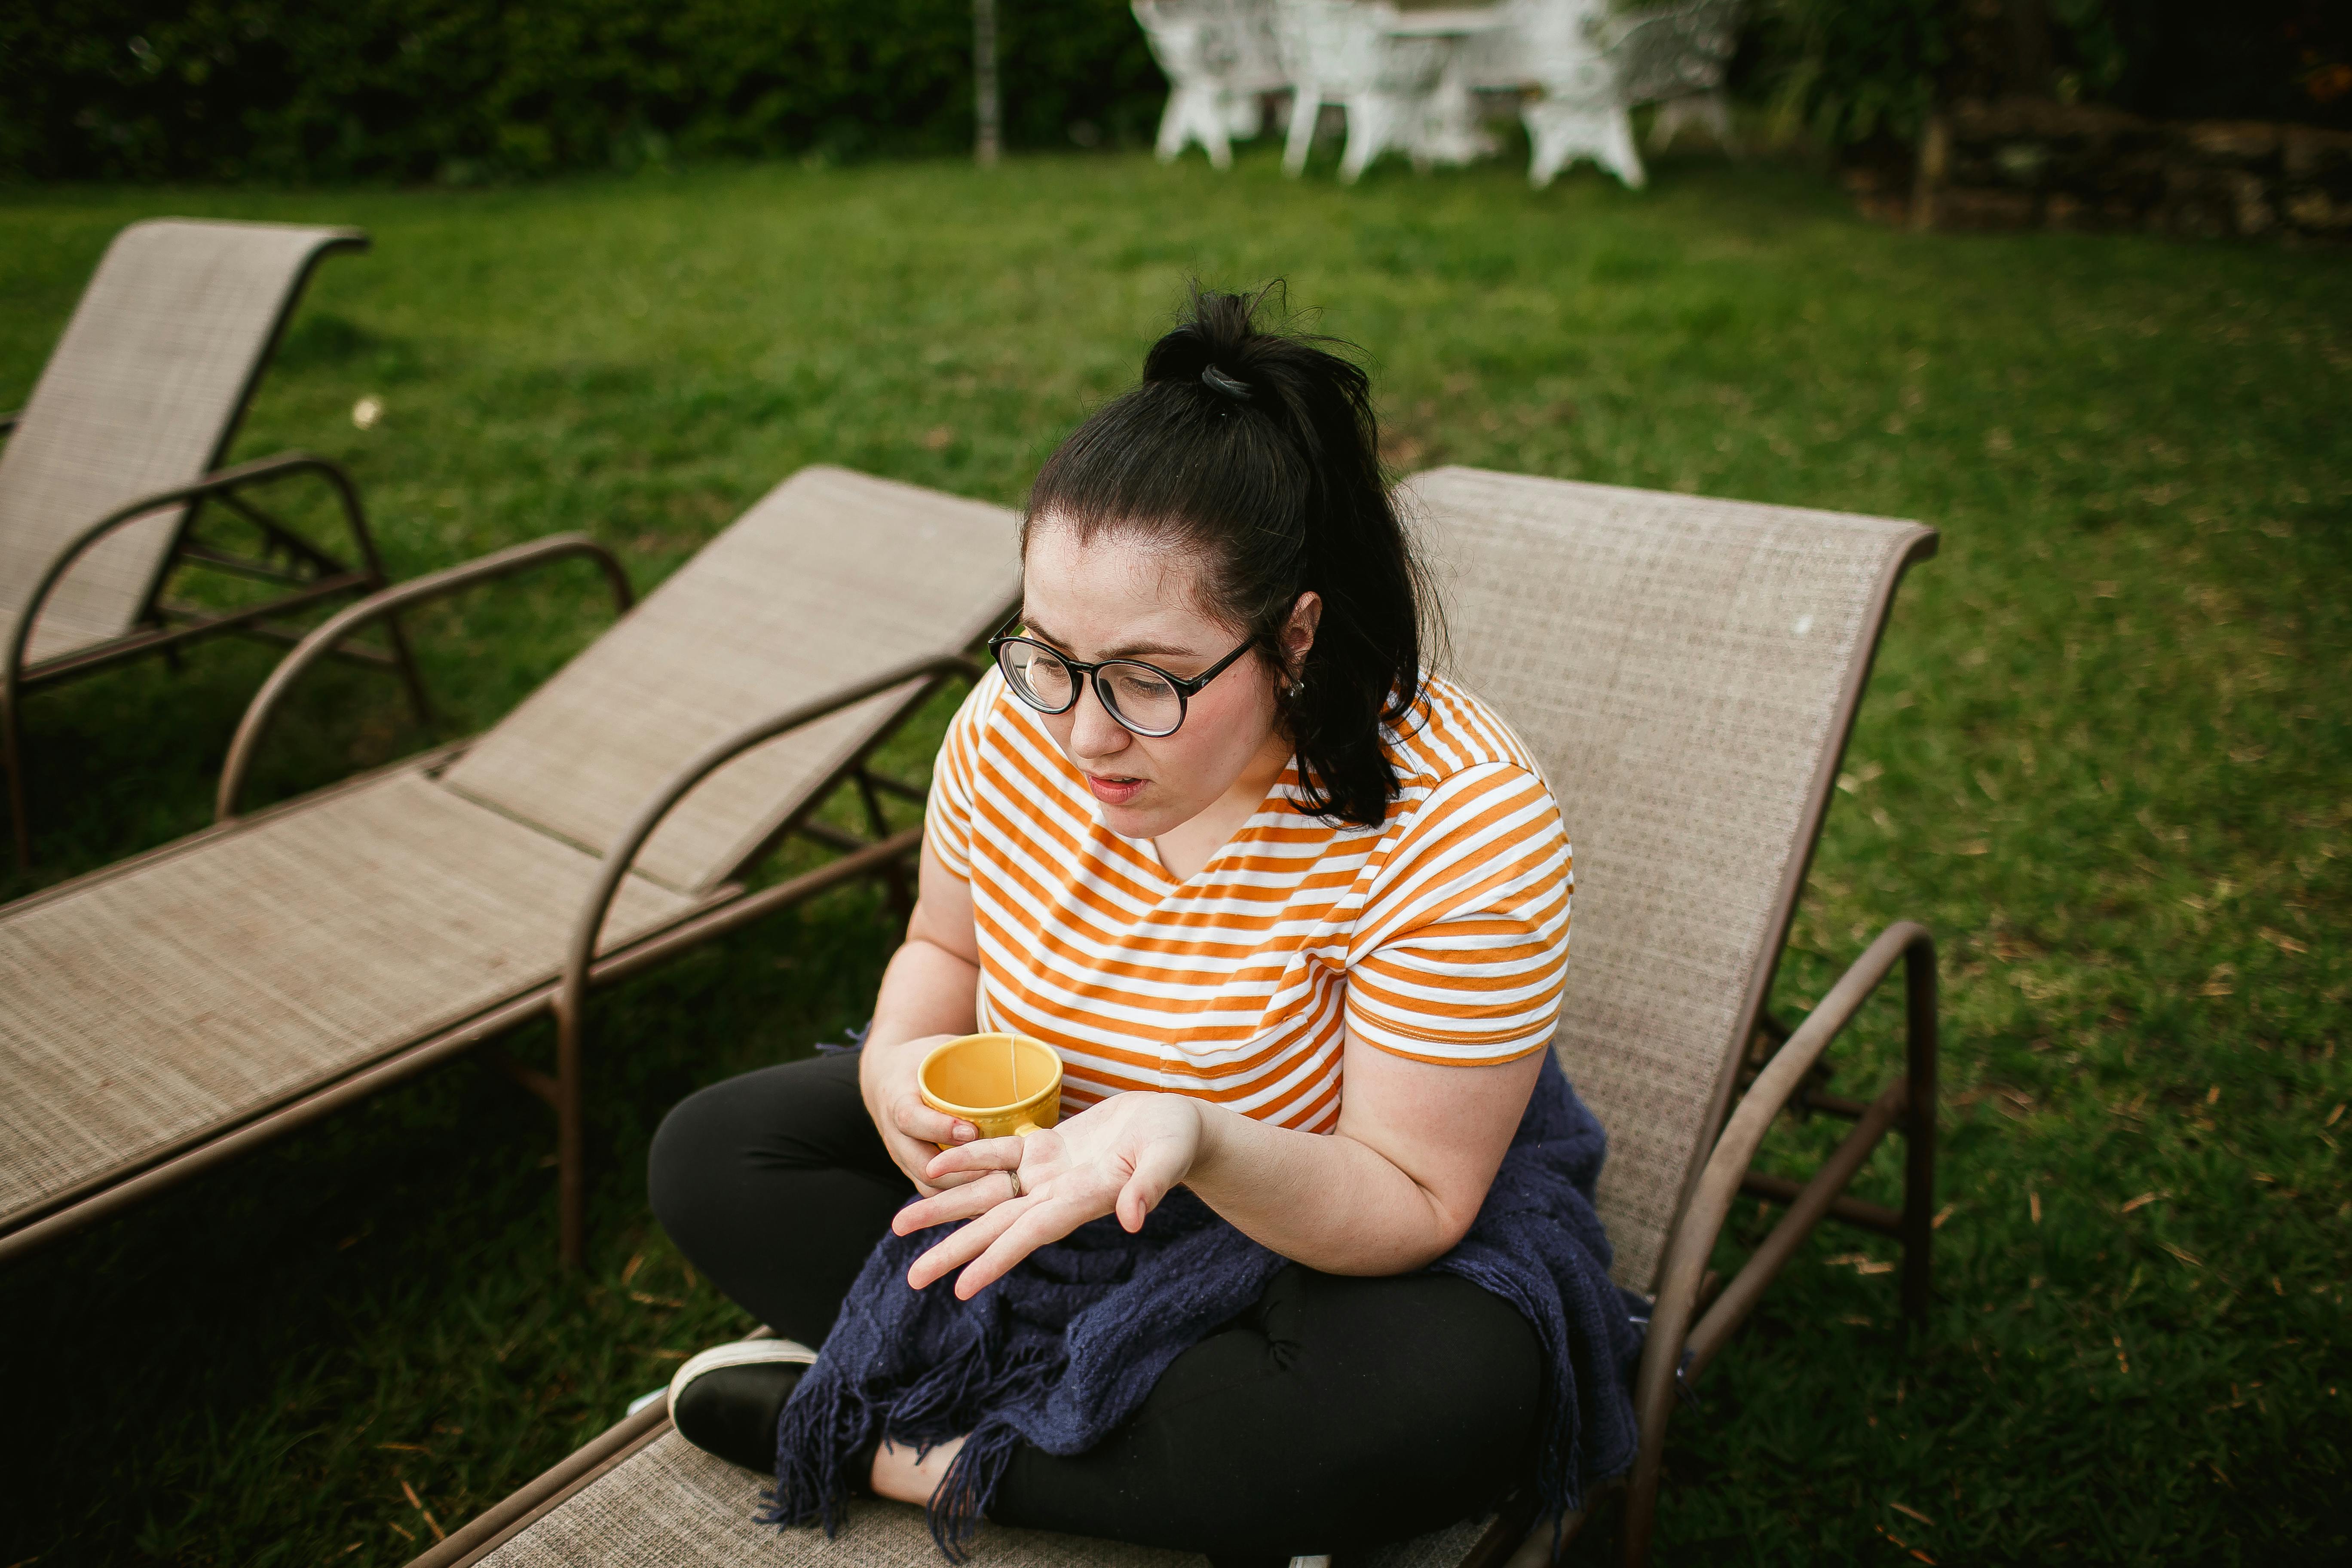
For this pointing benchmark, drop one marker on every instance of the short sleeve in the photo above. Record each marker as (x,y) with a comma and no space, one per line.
(1460,949)
(946,815)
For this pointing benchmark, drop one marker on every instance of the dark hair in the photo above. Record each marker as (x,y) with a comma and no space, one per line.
(1257,449)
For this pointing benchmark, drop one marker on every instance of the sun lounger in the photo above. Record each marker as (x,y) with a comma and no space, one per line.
(109,464)
(1687,670)
(165,1014)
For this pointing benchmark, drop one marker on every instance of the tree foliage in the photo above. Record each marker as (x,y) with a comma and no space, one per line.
(461,90)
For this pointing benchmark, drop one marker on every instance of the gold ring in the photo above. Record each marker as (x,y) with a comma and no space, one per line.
(1018,1190)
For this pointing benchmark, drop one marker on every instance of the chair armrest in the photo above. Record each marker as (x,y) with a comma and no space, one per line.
(573,988)
(1718,1185)
(211,484)
(1911,1099)
(330,634)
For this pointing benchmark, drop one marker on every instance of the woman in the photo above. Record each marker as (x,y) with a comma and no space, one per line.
(1209,831)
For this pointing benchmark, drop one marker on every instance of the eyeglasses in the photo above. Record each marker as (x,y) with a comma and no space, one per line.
(1144,699)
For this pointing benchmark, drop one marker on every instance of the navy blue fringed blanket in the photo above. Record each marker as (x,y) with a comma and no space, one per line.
(1064,1348)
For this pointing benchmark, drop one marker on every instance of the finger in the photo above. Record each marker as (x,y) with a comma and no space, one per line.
(917,1120)
(953,1252)
(917,1157)
(1034,1225)
(1135,1205)
(987,1155)
(975,1196)
(1159,1168)
(912,1157)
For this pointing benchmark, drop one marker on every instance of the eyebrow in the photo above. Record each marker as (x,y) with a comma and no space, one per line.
(1125,650)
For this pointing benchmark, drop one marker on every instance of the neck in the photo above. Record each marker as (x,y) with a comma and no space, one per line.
(1195,842)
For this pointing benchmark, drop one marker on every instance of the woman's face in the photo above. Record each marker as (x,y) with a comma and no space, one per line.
(1120,595)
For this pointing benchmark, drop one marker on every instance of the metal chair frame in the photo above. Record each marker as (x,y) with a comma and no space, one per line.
(310,575)
(883,855)
(1694,1314)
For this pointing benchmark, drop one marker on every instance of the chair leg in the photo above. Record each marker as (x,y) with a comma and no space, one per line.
(1564,131)
(1369,134)
(1171,128)
(1195,112)
(1211,133)
(1306,108)
(418,702)
(1919,1133)
(894,875)
(1617,153)
(570,1172)
(12,751)
(1553,141)
(1640,1519)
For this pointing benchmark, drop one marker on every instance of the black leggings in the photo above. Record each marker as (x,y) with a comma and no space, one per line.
(1333,1415)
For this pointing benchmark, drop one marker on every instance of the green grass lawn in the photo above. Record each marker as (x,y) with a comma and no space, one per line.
(2098,757)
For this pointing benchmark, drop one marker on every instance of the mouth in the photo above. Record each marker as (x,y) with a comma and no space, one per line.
(1113,790)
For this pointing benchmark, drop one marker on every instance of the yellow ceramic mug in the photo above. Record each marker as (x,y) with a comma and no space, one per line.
(1005,1085)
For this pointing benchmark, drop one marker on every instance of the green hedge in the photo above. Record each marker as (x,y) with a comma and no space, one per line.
(1846,71)
(460,90)
(465,89)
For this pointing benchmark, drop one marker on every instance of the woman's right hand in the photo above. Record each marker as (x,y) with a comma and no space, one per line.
(911,1131)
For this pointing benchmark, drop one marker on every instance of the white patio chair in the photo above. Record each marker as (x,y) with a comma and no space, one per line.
(1220,60)
(1340,52)
(1595,69)
(1679,64)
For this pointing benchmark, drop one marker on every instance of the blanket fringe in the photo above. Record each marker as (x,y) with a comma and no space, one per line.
(965,1492)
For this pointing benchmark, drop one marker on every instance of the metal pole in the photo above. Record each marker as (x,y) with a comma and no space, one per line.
(985,115)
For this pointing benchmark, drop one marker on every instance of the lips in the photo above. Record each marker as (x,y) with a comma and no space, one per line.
(1114,791)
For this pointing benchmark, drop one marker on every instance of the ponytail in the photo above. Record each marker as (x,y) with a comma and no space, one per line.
(1258,451)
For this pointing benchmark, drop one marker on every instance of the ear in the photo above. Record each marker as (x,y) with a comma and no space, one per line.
(1298,631)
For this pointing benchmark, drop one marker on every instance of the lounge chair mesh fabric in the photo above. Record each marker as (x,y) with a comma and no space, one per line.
(1677,664)
(831,577)
(166,999)
(670,1505)
(141,394)
(147,1007)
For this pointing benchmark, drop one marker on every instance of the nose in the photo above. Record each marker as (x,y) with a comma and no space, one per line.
(1094,733)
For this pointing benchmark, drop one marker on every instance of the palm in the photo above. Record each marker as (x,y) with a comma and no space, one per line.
(1122,1156)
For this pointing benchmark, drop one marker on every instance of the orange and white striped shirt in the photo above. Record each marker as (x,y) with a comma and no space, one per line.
(1441,934)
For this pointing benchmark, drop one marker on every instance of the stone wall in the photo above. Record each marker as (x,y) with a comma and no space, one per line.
(2034,163)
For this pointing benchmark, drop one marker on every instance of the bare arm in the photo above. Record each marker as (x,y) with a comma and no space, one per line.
(1394,1188)
(929,992)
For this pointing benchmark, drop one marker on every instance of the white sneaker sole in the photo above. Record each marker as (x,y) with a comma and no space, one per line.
(742,1352)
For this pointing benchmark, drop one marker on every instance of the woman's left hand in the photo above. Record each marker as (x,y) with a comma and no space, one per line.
(1121,1155)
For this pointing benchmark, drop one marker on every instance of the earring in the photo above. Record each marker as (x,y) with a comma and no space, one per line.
(1297,689)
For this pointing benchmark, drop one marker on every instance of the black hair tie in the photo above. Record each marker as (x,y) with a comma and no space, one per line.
(1218,381)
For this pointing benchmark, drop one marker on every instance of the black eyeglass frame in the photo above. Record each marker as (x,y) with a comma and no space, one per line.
(1187,688)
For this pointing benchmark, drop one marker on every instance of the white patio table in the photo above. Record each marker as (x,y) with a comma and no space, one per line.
(1449,132)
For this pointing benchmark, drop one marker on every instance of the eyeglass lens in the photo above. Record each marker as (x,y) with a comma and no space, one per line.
(1137,696)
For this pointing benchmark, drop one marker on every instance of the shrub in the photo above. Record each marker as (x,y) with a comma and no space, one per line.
(464,89)
(456,89)
(1848,70)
